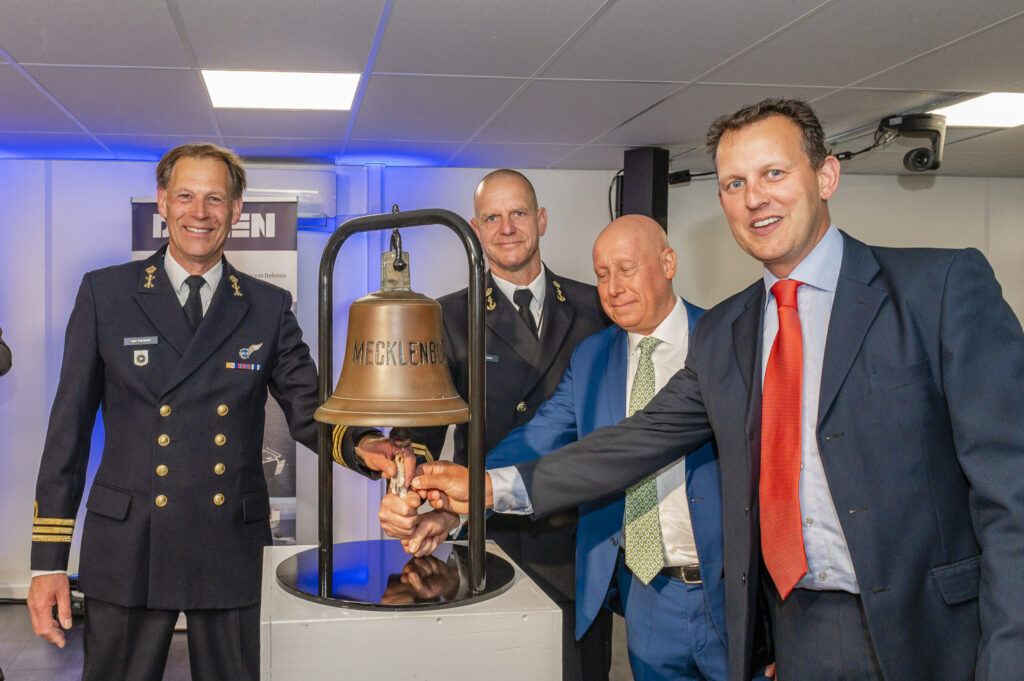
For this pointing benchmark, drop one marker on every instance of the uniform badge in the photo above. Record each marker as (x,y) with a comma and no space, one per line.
(246,353)
(234,283)
(141,358)
(149,277)
(490,301)
(558,291)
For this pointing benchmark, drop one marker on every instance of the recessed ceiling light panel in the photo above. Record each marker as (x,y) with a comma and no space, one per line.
(995,110)
(281,90)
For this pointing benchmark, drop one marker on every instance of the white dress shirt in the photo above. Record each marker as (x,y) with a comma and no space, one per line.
(177,274)
(538,287)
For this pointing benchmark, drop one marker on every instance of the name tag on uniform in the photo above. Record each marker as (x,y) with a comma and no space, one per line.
(141,340)
(491,358)
(243,367)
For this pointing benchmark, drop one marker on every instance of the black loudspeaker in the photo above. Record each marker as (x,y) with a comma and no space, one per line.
(645,183)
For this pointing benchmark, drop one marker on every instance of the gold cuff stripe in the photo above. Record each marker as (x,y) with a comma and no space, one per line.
(54,530)
(65,522)
(339,436)
(51,538)
(421,450)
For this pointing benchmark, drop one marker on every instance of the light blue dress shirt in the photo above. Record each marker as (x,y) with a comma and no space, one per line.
(829,566)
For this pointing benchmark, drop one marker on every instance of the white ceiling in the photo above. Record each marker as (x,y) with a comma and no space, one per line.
(487,83)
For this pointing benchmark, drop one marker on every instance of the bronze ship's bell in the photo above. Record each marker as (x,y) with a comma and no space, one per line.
(395,370)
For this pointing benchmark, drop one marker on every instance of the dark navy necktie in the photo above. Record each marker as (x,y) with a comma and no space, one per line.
(522,298)
(194,305)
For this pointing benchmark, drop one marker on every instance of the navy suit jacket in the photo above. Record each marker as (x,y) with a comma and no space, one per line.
(920,432)
(180,423)
(592,394)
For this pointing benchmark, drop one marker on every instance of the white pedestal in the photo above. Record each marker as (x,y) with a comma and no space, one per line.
(514,636)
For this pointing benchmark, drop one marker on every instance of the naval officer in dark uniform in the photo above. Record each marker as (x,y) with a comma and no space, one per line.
(178,351)
(534,319)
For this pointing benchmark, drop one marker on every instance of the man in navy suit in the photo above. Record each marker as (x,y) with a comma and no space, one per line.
(909,465)
(179,350)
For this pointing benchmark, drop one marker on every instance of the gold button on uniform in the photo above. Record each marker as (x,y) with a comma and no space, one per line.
(219,469)
(163,440)
(165,410)
(161,470)
(161,501)
(218,499)
(521,407)
(222,410)
(220,439)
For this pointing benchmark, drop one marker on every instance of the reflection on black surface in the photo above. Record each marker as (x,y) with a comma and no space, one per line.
(423,580)
(380,574)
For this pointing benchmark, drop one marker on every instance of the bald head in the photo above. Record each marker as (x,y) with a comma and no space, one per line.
(634,266)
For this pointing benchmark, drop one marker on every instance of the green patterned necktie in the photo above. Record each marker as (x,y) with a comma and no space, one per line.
(640,526)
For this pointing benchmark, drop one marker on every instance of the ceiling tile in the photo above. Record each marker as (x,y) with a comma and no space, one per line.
(153,101)
(53,145)
(432,108)
(684,118)
(25,108)
(149,147)
(511,155)
(404,153)
(314,35)
(570,111)
(991,61)
(1006,140)
(273,147)
(593,157)
(268,123)
(478,38)
(113,33)
(844,110)
(670,41)
(849,41)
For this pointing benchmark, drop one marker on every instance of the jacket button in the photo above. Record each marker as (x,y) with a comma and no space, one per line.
(163,440)
(222,410)
(743,578)
(218,499)
(219,440)
(614,541)
(521,407)
(161,470)
(219,469)
(161,501)
(165,410)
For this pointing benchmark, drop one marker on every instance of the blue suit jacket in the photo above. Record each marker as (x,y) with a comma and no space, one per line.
(592,394)
(919,428)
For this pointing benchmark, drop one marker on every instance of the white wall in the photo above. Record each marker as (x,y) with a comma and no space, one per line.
(59,219)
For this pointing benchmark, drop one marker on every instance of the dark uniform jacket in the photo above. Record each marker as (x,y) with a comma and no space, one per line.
(178,512)
(521,373)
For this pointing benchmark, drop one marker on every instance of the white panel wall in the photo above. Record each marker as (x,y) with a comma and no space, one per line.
(60,219)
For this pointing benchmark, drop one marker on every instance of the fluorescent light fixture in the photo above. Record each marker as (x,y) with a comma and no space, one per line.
(281,90)
(995,110)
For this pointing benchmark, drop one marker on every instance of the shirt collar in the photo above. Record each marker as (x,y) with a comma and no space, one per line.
(672,330)
(537,287)
(819,269)
(178,274)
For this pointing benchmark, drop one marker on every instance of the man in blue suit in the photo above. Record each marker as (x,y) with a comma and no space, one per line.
(904,487)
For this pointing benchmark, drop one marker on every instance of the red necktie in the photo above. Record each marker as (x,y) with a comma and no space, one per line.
(782,542)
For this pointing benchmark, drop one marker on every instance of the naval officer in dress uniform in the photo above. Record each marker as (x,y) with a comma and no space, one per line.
(534,318)
(179,351)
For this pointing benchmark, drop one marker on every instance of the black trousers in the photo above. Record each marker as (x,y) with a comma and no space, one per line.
(131,644)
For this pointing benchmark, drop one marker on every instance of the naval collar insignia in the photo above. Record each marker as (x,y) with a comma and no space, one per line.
(149,276)
(490,301)
(558,291)
(234,283)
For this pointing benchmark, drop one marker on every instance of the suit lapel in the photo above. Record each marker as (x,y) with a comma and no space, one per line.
(746,333)
(615,377)
(504,322)
(557,322)
(227,309)
(853,311)
(160,303)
